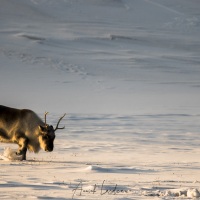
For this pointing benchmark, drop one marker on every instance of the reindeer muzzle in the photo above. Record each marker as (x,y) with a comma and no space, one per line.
(49,149)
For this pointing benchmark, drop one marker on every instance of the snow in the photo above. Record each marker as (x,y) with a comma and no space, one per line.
(127,74)
(10,154)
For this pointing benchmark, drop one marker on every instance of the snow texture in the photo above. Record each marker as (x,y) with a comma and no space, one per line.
(127,73)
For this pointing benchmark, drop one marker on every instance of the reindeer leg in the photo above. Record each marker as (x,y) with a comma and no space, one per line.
(22,141)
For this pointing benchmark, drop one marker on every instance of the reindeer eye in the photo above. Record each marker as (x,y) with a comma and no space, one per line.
(46,137)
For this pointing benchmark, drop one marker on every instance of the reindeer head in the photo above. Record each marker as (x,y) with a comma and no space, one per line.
(47,134)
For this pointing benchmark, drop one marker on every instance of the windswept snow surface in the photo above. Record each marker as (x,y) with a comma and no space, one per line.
(100,56)
(127,73)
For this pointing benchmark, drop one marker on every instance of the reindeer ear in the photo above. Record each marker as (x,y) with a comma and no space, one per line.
(42,129)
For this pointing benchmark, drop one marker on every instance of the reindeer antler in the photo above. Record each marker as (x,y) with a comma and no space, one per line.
(45,118)
(58,123)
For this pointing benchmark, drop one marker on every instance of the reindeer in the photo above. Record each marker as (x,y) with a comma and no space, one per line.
(26,129)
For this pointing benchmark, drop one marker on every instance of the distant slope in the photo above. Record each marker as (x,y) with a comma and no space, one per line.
(100,56)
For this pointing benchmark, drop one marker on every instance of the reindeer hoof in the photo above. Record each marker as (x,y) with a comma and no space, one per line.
(19,153)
